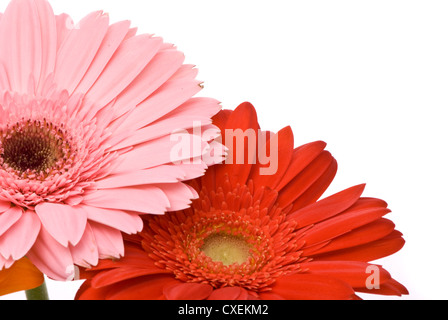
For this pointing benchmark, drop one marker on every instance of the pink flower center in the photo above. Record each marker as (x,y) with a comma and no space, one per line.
(33,149)
(48,152)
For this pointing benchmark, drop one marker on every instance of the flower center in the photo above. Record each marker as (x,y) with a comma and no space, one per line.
(32,147)
(226,248)
(28,152)
(48,151)
(231,236)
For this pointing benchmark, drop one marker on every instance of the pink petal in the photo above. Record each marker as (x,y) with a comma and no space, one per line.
(188,115)
(168,97)
(199,107)
(131,33)
(216,153)
(191,170)
(159,69)
(50,257)
(160,174)
(6,263)
(66,224)
(127,222)
(163,128)
(20,237)
(113,38)
(48,39)
(9,218)
(109,241)
(85,253)
(179,195)
(125,65)
(63,26)
(4,205)
(176,148)
(145,199)
(78,50)
(27,39)
(4,80)
(168,173)
(73,200)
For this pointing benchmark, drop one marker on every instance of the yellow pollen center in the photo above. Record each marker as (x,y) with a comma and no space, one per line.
(226,248)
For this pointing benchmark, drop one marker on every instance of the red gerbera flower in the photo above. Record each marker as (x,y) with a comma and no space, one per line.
(255,236)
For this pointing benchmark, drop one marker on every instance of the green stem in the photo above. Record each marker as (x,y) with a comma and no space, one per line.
(39,293)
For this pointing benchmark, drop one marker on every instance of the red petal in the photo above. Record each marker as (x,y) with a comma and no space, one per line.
(352,272)
(87,292)
(327,207)
(367,252)
(228,293)
(187,291)
(301,158)
(365,203)
(390,288)
(144,288)
(133,257)
(244,118)
(270,296)
(283,144)
(362,235)
(306,179)
(312,287)
(314,192)
(342,223)
(221,118)
(113,276)
(208,180)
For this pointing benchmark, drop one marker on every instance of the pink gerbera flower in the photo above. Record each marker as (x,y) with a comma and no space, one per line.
(86,113)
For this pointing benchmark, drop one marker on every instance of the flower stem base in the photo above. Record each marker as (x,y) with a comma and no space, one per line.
(39,293)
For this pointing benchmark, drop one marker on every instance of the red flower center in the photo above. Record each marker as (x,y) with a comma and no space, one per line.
(230,237)
(226,248)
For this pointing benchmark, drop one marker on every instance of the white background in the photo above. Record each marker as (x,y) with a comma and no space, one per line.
(368,77)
